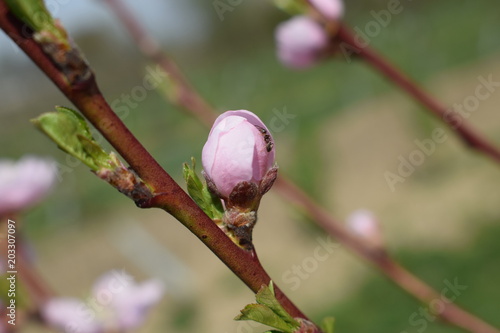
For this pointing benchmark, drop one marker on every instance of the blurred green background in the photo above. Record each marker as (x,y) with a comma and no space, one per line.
(349,127)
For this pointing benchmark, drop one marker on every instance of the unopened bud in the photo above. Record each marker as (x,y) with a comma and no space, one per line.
(239,155)
(300,42)
(331,9)
(365,225)
(238,162)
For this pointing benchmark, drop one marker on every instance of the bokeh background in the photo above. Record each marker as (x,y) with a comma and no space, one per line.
(349,127)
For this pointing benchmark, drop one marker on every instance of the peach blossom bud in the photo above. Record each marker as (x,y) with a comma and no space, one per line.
(331,9)
(300,42)
(365,225)
(239,149)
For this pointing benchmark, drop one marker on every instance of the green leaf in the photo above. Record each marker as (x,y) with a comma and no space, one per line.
(328,325)
(264,315)
(32,12)
(92,148)
(71,133)
(82,123)
(266,297)
(216,209)
(37,17)
(269,311)
(198,190)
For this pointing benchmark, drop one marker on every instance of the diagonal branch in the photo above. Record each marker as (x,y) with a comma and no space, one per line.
(404,279)
(451,312)
(85,95)
(472,138)
(150,48)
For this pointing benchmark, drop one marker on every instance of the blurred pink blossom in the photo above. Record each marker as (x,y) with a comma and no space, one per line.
(117,303)
(300,42)
(71,315)
(239,148)
(331,9)
(24,183)
(366,226)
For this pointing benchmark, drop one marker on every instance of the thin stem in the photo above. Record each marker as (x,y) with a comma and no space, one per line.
(451,314)
(401,277)
(182,95)
(35,285)
(404,279)
(89,100)
(472,138)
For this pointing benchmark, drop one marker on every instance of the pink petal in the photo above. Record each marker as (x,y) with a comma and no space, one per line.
(332,9)
(112,283)
(127,302)
(234,158)
(221,126)
(133,305)
(71,315)
(24,183)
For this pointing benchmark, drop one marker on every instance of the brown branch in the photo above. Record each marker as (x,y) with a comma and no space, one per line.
(472,138)
(88,99)
(451,313)
(395,272)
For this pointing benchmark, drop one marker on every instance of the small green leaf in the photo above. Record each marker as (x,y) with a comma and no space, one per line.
(32,12)
(195,187)
(271,287)
(37,17)
(328,325)
(269,311)
(266,297)
(100,157)
(71,133)
(216,209)
(82,123)
(198,190)
(264,315)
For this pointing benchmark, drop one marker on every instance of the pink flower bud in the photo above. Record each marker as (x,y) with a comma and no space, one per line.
(239,148)
(300,42)
(365,225)
(24,183)
(331,9)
